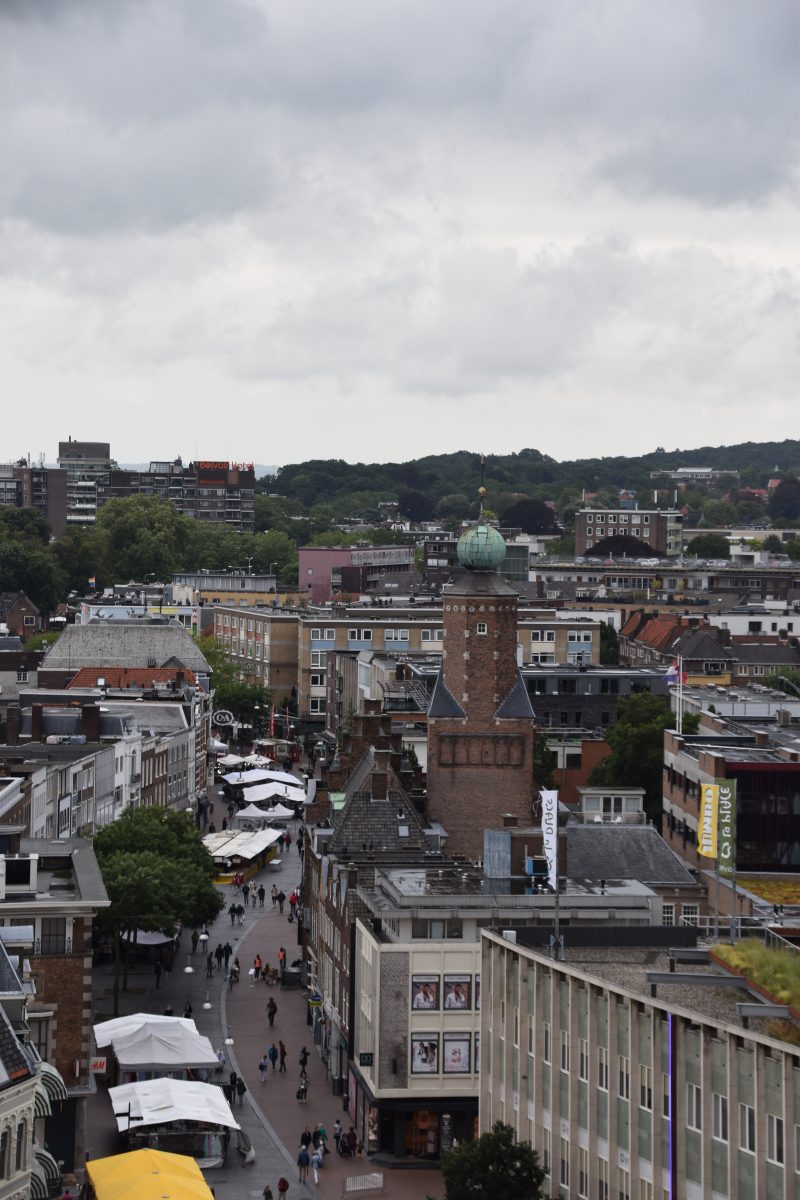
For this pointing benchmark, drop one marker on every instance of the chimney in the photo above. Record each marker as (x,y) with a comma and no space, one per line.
(36,722)
(380,775)
(90,722)
(180,678)
(12,725)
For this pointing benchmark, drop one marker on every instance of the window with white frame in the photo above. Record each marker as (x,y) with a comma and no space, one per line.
(694,1106)
(646,1087)
(317,680)
(319,658)
(481,629)
(690,914)
(602,1068)
(316,635)
(668,914)
(645,1189)
(624,1072)
(317,704)
(775,1139)
(720,1106)
(747,1128)
(330,635)
(624,1184)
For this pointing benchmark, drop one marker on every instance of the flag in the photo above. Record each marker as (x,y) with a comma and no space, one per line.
(707,823)
(92,582)
(674,673)
(727,826)
(550,834)
(272,722)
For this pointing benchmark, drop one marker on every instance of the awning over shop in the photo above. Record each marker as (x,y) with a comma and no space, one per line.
(39,1187)
(41,1102)
(147,1175)
(52,1081)
(162,1101)
(122,1027)
(48,1164)
(239,844)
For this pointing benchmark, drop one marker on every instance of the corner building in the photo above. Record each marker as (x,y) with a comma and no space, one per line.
(480,720)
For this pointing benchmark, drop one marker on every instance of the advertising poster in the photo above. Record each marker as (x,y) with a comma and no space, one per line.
(458,992)
(727,826)
(425,1055)
(455,1054)
(477,1053)
(707,821)
(477,993)
(425,992)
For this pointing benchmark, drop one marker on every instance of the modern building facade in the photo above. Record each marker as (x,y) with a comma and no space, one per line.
(23,485)
(219,493)
(85,463)
(325,571)
(660,529)
(629,1094)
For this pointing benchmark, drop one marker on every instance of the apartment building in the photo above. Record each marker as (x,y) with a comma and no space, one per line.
(632,1088)
(325,571)
(85,464)
(43,488)
(659,529)
(219,493)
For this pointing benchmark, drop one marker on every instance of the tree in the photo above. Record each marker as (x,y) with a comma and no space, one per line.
(493,1166)
(416,505)
(157,873)
(609,645)
(620,545)
(786,680)
(532,516)
(773,544)
(544,760)
(709,545)
(637,747)
(784,503)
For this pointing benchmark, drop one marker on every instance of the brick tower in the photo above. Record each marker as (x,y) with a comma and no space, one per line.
(480,720)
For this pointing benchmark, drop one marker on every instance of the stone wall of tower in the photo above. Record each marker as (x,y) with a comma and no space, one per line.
(480,767)
(479,669)
(477,772)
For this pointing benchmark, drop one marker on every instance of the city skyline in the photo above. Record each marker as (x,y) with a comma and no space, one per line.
(564,226)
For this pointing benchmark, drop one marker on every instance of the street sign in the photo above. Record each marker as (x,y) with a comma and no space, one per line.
(222,717)
(366,1060)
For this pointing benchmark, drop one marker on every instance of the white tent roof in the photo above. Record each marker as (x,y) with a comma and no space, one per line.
(273,791)
(247,778)
(251,813)
(257,760)
(285,777)
(160,1101)
(121,1027)
(280,813)
(153,1048)
(144,937)
(231,760)
(239,844)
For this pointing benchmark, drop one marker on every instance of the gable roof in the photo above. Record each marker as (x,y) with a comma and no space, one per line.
(703,643)
(125,644)
(623,852)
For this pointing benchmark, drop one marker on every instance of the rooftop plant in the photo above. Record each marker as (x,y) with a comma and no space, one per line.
(776,971)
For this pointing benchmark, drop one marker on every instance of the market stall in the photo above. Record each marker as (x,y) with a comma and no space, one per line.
(186,1117)
(146,1175)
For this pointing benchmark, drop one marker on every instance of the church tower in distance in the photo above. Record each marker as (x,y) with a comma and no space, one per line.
(480,719)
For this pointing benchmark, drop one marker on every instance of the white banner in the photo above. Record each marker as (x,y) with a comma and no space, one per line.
(550,834)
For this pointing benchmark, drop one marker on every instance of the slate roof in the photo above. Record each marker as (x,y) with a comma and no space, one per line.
(443,702)
(478,583)
(365,825)
(517,703)
(766,653)
(125,644)
(702,643)
(11,1057)
(623,852)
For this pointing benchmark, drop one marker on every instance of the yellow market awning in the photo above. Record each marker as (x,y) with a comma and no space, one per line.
(147,1175)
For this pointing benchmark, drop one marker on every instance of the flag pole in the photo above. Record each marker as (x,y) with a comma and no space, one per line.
(679,723)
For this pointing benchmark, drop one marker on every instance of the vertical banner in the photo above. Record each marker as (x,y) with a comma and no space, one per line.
(550,834)
(727,827)
(707,824)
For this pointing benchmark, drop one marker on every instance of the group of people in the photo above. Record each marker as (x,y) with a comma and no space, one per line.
(313,1148)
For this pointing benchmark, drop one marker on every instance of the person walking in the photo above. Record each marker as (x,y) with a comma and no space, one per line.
(253,898)
(241,1088)
(337,1133)
(281,841)
(283,1187)
(316,1164)
(274,894)
(272,1054)
(232,912)
(303,1163)
(281,901)
(239,912)
(263,1068)
(245,892)
(187,1011)
(288,839)
(262,892)
(157,970)
(305,1137)
(267,1193)
(257,964)
(219,954)
(272,1010)
(323,1139)
(303,1059)
(282,1054)
(209,966)
(227,951)
(195,940)
(232,1081)
(282,959)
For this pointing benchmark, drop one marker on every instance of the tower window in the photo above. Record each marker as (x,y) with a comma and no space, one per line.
(481,628)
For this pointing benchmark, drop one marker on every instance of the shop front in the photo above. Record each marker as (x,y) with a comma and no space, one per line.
(410,1128)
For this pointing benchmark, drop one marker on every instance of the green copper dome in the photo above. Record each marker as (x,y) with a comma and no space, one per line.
(481,548)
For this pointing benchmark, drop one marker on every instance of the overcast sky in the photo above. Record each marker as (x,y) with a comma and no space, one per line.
(284,229)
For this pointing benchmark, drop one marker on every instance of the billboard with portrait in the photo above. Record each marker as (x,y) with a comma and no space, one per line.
(458,992)
(425,995)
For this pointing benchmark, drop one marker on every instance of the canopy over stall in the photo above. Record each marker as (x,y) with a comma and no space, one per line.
(122,1027)
(230,760)
(163,1101)
(253,815)
(147,1175)
(239,843)
(246,778)
(144,937)
(275,791)
(164,1048)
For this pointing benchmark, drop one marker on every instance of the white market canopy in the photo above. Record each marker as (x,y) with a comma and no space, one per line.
(163,1048)
(239,843)
(253,813)
(218,747)
(257,760)
(230,760)
(275,791)
(246,778)
(122,1027)
(162,1101)
(279,813)
(144,937)
(285,777)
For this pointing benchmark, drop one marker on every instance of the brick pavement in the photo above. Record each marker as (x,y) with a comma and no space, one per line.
(271,1115)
